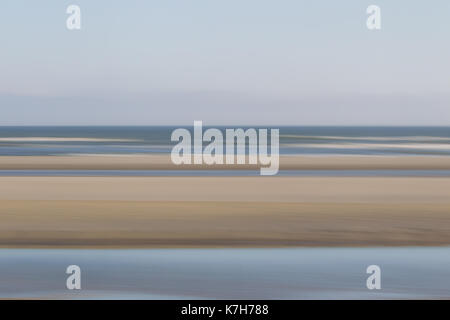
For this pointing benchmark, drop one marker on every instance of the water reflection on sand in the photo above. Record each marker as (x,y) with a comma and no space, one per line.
(291,273)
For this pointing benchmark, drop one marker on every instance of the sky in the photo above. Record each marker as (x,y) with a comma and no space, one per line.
(233,62)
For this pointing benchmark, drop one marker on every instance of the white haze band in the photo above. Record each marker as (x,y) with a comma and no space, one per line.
(213,153)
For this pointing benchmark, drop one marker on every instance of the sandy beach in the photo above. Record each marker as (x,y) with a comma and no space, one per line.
(223,211)
(131,212)
(220,224)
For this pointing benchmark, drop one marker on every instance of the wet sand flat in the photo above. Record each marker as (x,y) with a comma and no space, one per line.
(163,162)
(226,273)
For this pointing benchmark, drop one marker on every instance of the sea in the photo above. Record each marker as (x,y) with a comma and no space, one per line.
(125,140)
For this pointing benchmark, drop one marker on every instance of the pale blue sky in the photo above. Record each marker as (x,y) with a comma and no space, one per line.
(286,62)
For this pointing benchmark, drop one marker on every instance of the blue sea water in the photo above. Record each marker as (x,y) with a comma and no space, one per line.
(29,141)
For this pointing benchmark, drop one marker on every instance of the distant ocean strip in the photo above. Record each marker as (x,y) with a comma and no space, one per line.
(49,141)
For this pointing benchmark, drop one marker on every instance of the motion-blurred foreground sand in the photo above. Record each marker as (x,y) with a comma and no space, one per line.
(226,211)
